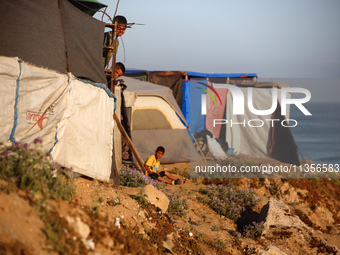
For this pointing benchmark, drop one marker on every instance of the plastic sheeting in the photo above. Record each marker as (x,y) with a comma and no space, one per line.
(250,133)
(72,117)
(197,120)
(53,34)
(215,111)
(186,100)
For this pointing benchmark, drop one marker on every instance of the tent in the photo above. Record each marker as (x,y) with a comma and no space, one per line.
(248,133)
(271,139)
(156,120)
(261,135)
(53,34)
(61,110)
(44,46)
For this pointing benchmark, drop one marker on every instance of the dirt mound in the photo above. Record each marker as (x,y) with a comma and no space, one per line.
(92,224)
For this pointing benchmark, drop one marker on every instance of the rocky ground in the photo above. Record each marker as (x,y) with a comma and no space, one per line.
(301,217)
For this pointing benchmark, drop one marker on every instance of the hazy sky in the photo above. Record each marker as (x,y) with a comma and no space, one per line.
(275,39)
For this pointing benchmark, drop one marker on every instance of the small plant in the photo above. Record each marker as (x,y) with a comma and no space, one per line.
(32,170)
(131,177)
(134,178)
(186,174)
(198,235)
(175,170)
(240,160)
(227,201)
(28,168)
(178,205)
(336,181)
(140,197)
(219,244)
(253,230)
(273,189)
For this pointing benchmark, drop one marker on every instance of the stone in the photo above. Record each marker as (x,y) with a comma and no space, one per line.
(156,197)
(277,213)
(169,244)
(90,245)
(81,228)
(273,250)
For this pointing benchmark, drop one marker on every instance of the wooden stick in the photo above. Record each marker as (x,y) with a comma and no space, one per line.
(113,72)
(197,144)
(129,142)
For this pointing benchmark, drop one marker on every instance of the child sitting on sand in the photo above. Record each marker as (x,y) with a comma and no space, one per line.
(152,164)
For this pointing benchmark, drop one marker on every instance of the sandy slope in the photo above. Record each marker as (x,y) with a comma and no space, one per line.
(89,221)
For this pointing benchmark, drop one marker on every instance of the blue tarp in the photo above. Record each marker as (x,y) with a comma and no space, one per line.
(221,75)
(202,75)
(186,100)
(197,120)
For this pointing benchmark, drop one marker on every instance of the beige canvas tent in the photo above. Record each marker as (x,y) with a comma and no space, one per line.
(72,117)
(44,46)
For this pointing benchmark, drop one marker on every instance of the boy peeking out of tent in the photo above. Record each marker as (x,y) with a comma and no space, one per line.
(152,165)
(108,39)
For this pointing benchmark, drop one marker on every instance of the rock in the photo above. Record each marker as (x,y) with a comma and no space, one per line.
(107,241)
(82,229)
(156,197)
(276,213)
(90,245)
(169,244)
(270,250)
(273,250)
(263,252)
(251,249)
(289,194)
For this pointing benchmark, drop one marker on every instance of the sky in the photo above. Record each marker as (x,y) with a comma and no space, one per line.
(297,41)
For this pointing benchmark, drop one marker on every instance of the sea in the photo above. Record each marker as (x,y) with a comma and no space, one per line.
(318,136)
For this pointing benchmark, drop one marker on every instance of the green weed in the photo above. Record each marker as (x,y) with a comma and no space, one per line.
(140,197)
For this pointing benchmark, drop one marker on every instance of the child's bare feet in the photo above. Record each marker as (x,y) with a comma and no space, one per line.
(178,181)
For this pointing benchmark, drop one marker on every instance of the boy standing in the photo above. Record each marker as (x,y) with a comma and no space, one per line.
(152,164)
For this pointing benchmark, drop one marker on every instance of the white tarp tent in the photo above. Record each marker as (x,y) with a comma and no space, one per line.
(251,134)
(261,135)
(72,117)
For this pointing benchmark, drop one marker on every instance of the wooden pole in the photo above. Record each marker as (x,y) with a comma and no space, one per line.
(113,72)
(129,142)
